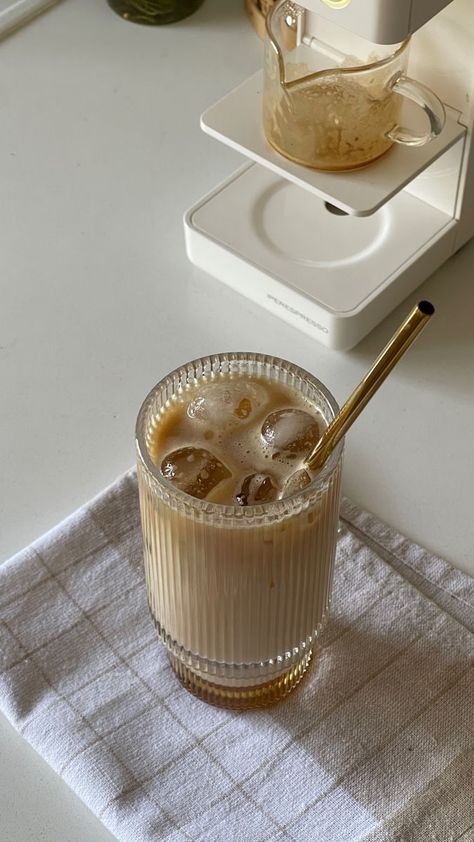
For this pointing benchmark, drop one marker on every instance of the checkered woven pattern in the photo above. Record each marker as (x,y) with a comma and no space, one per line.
(376,745)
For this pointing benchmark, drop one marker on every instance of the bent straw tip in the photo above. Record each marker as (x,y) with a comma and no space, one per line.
(426,308)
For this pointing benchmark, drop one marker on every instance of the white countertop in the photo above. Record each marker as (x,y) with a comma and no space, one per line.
(100,155)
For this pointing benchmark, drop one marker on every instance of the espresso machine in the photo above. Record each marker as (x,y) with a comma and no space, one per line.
(332,253)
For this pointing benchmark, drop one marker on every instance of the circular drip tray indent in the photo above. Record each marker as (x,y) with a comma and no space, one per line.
(299,227)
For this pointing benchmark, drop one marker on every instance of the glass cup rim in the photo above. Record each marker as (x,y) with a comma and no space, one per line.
(276,509)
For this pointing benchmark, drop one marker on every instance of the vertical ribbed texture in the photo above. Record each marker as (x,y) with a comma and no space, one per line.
(239,600)
(239,595)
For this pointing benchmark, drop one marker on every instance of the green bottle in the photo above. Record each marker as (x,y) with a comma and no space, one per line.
(154,12)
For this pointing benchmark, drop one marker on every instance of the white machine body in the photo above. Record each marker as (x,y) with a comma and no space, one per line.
(334,253)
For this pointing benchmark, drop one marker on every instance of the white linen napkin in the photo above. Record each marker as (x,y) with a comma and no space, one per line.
(376,745)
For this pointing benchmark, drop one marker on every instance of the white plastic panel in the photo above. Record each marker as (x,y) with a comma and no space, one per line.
(380,21)
(237,121)
(439,184)
(333,277)
(289,233)
(442,56)
(423,10)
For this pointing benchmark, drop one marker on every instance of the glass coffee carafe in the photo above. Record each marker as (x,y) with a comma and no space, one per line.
(333,100)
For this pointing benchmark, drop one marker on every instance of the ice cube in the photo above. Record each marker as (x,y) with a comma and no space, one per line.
(236,400)
(291,431)
(295,483)
(256,489)
(194,470)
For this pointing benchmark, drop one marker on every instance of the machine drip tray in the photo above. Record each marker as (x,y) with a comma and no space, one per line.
(329,274)
(237,121)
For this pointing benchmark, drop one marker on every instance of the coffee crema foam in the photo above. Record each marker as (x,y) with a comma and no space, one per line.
(236,440)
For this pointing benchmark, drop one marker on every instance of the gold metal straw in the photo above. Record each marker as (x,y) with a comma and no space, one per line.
(387,359)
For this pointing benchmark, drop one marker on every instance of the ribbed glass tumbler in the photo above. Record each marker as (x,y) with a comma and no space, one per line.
(239,595)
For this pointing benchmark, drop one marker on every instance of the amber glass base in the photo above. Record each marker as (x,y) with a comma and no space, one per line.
(154,12)
(241,698)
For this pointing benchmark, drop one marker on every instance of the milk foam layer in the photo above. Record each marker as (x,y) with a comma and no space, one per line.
(252,427)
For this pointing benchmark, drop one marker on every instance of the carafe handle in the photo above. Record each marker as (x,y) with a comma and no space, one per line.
(428,101)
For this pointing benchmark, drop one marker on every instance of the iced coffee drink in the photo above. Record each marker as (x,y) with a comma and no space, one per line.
(239,537)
